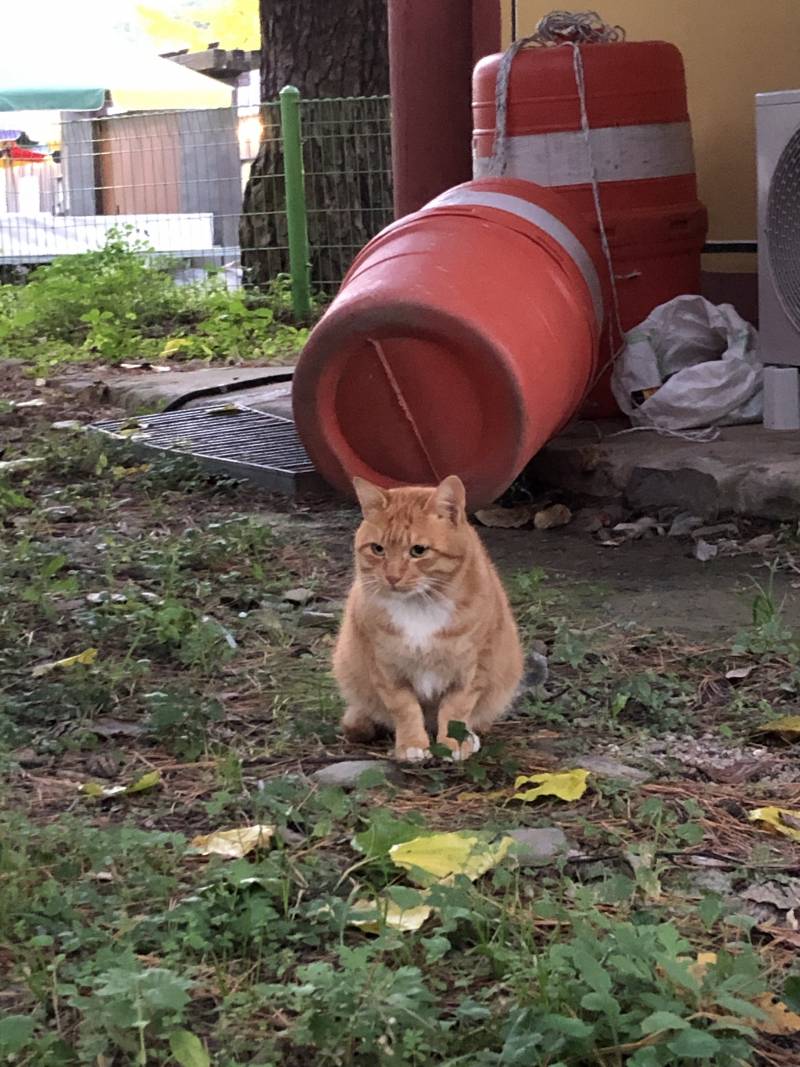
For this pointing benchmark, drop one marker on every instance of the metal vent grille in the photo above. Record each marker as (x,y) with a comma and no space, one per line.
(227,438)
(783,228)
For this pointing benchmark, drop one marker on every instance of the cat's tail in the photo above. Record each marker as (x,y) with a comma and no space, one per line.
(537,670)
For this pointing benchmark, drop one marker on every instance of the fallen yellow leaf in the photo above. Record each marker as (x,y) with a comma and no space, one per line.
(87,658)
(789,724)
(439,856)
(97,789)
(783,820)
(129,472)
(380,913)
(567,785)
(780,1019)
(493,794)
(147,781)
(233,844)
(701,964)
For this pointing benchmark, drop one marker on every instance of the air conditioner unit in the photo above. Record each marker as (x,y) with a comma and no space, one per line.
(778,154)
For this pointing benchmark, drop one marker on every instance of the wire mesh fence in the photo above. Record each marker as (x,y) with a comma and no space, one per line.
(205,187)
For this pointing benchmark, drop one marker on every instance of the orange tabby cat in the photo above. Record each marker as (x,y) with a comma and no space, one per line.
(428,637)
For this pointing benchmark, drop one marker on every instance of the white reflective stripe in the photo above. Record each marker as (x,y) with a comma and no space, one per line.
(620,153)
(552,226)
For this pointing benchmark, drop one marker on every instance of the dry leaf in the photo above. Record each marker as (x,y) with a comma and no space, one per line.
(789,724)
(37,402)
(780,1019)
(505,518)
(87,658)
(439,856)
(225,409)
(738,673)
(782,897)
(98,790)
(129,432)
(704,960)
(391,915)
(129,472)
(233,844)
(550,518)
(567,785)
(781,819)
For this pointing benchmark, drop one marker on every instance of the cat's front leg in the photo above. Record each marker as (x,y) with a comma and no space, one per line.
(411,741)
(458,706)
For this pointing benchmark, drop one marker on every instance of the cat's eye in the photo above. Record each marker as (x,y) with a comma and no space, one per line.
(377,549)
(417,550)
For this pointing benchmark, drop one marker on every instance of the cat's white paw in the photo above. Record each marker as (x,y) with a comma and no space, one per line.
(462,750)
(412,755)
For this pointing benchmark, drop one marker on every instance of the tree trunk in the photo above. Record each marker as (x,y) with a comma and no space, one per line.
(329,51)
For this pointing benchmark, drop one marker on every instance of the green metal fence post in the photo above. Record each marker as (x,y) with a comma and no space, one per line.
(299,265)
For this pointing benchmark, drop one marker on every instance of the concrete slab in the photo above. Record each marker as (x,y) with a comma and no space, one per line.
(747,470)
(143,391)
(272,399)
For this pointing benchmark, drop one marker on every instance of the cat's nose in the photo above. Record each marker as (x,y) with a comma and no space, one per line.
(392,579)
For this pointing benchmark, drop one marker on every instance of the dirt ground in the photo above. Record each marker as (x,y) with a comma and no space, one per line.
(205,612)
(653,583)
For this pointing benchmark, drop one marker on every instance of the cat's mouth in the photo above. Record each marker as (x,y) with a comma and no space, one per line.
(407,592)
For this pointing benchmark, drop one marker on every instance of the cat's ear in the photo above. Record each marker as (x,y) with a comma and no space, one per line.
(449,499)
(370,497)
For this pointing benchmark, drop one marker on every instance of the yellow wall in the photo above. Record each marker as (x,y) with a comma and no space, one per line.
(732,49)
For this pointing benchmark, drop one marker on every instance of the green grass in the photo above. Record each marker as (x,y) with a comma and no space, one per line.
(119,945)
(122,303)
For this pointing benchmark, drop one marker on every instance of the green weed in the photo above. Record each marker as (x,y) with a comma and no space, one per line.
(122,302)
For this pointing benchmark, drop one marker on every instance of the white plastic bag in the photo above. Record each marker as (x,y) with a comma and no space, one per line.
(690,364)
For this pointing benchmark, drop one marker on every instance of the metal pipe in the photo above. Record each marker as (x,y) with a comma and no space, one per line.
(299,259)
(433,46)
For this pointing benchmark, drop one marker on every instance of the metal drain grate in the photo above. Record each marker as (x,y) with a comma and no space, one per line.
(229,438)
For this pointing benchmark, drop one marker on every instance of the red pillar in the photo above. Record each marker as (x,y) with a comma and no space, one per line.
(433,46)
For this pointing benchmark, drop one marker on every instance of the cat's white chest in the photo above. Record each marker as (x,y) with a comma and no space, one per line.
(419,622)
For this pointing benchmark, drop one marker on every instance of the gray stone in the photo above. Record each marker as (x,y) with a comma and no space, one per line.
(60,513)
(611,768)
(537,670)
(540,845)
(692,490)
(746,470)
(299,596)
(348,773)
(683,524)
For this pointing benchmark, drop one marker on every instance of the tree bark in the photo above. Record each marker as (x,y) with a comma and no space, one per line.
(330,50)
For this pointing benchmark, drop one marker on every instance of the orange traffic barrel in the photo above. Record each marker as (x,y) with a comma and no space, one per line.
(463,337)
(612,119)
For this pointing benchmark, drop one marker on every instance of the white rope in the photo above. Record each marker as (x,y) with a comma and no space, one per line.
(556,29)
(580,81)
(704,435)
